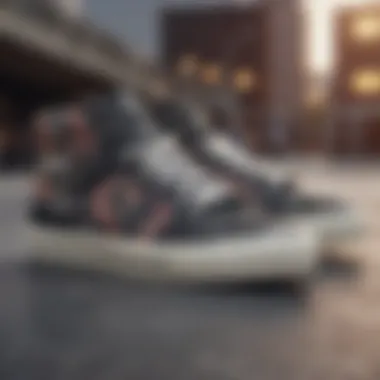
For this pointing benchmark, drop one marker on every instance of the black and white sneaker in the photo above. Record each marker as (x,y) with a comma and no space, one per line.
(276,190)
(115,194)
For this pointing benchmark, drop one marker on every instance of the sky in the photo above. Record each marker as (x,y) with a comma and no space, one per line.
(136,22)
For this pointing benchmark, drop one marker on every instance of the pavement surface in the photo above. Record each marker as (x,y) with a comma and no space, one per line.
(60,324)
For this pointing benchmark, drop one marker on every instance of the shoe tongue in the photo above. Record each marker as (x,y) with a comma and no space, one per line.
(162,160)
(233,154)
(121,116)
(178,117)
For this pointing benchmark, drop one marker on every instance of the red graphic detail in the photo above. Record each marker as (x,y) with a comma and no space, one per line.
(101,205)
(158,221)
(44,189)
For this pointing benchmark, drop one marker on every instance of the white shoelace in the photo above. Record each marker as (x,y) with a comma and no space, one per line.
(164,157)
(227,151)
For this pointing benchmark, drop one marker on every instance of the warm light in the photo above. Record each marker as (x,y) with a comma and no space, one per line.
(211,74)
(187,65)
(320,16)
(366,28)
(366,82)
(245,80)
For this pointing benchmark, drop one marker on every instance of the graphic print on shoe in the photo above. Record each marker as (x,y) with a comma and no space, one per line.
(130,178)
(67,148)
(124,205)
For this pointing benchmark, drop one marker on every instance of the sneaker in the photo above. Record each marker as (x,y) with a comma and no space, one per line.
(276,190)
(113,193)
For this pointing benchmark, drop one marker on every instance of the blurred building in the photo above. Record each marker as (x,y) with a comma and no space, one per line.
(354,126)
(71,7)
(47,56)
(255,50)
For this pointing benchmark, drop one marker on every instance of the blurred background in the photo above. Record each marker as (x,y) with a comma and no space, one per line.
(301,80)
(302,76)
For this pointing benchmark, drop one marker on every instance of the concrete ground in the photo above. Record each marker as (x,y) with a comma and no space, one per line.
(56,324)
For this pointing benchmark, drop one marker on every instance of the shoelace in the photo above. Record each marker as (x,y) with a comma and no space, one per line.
(227,149)
(164,157)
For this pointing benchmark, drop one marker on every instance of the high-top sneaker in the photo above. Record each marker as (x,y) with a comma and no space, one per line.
(276,190)
(114,193)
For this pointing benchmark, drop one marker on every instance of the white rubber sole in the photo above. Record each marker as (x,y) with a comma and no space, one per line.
(336,227)
(285,252)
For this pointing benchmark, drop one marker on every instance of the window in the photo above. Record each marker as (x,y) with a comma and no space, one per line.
(245,80)
(366,28)
(187,65)
(365,82)
(211,74)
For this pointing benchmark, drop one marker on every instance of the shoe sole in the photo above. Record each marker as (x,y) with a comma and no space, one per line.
(283,253)
(335,228)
